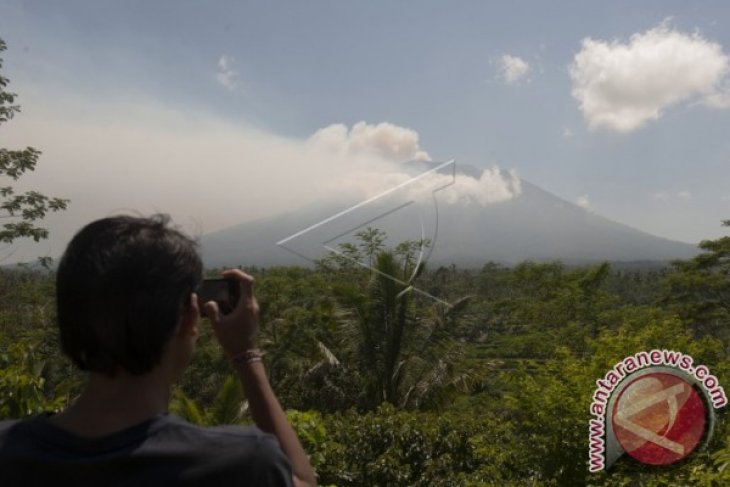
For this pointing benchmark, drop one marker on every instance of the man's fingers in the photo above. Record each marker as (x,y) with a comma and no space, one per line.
(246,280)
(237,330)
(212,312)
(237,273)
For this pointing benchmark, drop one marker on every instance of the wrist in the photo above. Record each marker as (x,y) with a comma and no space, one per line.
(247,356)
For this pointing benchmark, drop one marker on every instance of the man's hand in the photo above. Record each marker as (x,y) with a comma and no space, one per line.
(236,332)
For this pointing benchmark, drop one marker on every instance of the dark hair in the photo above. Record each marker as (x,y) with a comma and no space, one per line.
(121,287)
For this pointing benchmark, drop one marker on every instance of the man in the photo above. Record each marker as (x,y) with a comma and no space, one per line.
(128,315)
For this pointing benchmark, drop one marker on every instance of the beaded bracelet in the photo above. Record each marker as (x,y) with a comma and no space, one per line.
(248,357)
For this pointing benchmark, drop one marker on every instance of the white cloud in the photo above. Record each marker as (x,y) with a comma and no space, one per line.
(623,86)
(666,196)
(385,140)
(583,202)
(512,69)
(226,75)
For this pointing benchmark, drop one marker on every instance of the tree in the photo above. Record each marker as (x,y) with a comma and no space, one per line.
(21,211)
(401,349)
(699,289)
(228,407)
(372,240)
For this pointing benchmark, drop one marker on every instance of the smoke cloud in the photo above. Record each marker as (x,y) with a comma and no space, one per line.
(141,157)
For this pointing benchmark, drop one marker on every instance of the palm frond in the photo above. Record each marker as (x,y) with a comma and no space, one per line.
(459,305)
(227,407)
(186,408)
(329,357)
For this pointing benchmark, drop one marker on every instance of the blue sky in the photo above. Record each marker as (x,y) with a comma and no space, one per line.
(636,131)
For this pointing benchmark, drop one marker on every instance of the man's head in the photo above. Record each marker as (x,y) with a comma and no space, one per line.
(123,286)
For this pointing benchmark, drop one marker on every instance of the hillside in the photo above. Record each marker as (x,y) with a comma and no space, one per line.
(536,225)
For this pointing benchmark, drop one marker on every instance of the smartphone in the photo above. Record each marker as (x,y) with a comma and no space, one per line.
(225,292)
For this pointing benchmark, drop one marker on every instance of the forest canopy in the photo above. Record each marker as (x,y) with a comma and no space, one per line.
(388,387)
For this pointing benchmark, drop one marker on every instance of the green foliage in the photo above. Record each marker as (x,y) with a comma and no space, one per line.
(311,431)
(532,309)
(34,377)
(391,447)
(385,388)
(24,390)
(7,108)
(399,347)
(298,319)
(699,289)
(21,383)
(23,210)
(372,241)
(550,404)
(208,370)
(187,408)
(227,408)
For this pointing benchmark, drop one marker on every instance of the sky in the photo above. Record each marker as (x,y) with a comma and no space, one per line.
(223,112)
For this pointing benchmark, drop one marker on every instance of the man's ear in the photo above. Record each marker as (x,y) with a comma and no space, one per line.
(190,317)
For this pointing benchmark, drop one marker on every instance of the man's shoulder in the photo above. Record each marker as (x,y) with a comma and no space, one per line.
(15,437)
(244,450)
(175,426)
(5,426)
(9,427)
(161,448)
(234,439)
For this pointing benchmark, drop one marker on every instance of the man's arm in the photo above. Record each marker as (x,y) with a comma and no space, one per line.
(269,417)
(236,333)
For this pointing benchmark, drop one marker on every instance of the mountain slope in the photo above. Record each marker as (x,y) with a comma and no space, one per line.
(535,225)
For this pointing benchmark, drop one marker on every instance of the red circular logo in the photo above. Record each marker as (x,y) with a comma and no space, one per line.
(659,418)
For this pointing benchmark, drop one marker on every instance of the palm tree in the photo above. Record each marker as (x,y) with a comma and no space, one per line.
(228,406)
(372,241)
(400,346)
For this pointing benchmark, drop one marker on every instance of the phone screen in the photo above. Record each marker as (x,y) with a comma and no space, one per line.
(225,292)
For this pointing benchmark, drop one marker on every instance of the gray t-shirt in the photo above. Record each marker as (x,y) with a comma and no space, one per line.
(162,451)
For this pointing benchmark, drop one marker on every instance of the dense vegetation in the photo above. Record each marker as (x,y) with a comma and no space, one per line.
(387,386)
